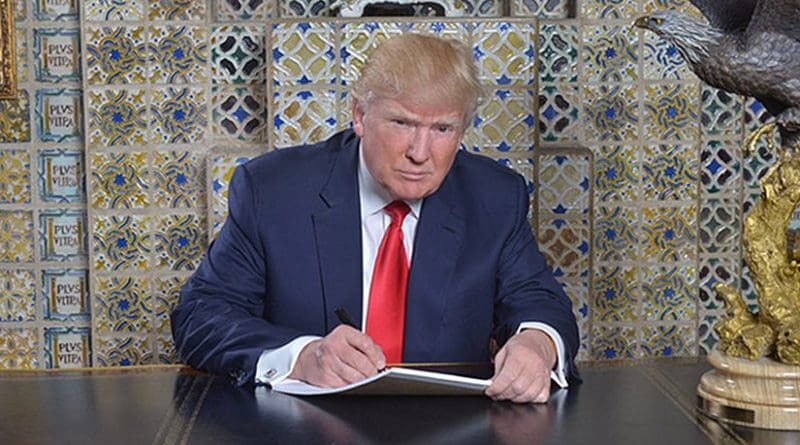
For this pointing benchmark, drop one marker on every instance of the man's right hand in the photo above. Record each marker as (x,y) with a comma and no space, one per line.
(344,356)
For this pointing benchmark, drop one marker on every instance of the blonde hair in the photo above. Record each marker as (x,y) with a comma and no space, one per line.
(424,69)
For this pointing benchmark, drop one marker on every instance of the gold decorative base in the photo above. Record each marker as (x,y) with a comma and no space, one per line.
(762,394)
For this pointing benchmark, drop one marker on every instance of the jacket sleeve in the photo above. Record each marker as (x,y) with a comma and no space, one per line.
(218,324)
(527,291)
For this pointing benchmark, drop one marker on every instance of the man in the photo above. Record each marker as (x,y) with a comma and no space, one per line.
(428,246)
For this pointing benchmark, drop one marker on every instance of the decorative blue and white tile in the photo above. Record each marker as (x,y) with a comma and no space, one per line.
(706,334)
(238,54)
(611,113)
(566,244)
(119,350)
(671,111)
(559,45)
(614,342)
(178,115)
(564,185)
(483,8)
(165,351)
(239,113)
(121,304)
(505,53)
(16,236)
(256,10)
(119,180)
(358,39)
(526,168)
(178,179)
(118,10)
(55,10)
(57,54)
(117,117)
(722,112)
(19,348)
(662,61)
(179,241)
(669,233)
(610,54)
(15,169)
(67,348)
(305,8)
(543,9)
(615,290)
(65,294)
(759,162)
(578,293)
(669,172)
(222,169)
(21,40)
(58,115)
(62,235)
(720,226)
(177,54)
(166,293)
(115,55)
(302,54)
(608,9)
(17,295)
(617,174)
(721,166)
(61,176)
(170,10)
(616,234)
(505,122)
(303,116)
(448,30)
(669,341)
(15,125)
(714,271)
(755,115)
(121,243)
(559,119)
(668,293)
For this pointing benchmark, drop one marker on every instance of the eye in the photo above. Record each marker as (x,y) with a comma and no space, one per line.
(444,128)
(658,21)
(400,122)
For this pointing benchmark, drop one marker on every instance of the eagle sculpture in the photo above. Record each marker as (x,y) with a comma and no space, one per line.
(752,48)
(748,47)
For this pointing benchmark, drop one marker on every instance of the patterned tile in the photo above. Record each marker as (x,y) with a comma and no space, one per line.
(748,287)
(303,53)
(57,54)
(17,299)
(179,115)
(65,294)
(102,10)
(20,11)
(15,126)
(16,236)
(722,112)
(540,8)
(244,9)
(669,293)
(67,348)
(617,174)
(669,233)
(302,116)
(62,235)
(566,244)
(119,351)
(19,348)
(165,351)
(755,115)
(505,53)
(305,8)
(505,122)
(707,335)
(483,8)
(669,172)
(117,117)
(615,289)
(165,298)
(558,52)
(239,113)
(661,60)
(178,179)
(559,113)
(616,234)
(610,54)
(613,342)
(715,271)
(671,111)
(449,30)
(358,40)
(721,166)
(608,9)
(121,304)
(238,54)
(578,292)
(180,242)
(525,167)
(720,226)
(61,176)
(611,112)
(15,166)
(177,54)
(176,10)
(121,243)
(119,180)
(115,55)
(669,341)
(21,39)
(55,10)
(564,184)
(59,115)
(222,169)
(759,162)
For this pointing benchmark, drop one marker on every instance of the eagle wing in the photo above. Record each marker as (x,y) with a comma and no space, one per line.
(727,15)
(780,16)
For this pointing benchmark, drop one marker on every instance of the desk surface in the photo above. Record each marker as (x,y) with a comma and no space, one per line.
(648,403)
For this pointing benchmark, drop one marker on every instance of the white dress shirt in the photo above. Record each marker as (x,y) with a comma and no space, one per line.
(274,365)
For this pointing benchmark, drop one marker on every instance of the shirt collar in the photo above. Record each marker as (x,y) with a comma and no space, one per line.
(373,196)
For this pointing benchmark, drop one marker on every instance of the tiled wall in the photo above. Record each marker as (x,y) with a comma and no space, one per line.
(637,184)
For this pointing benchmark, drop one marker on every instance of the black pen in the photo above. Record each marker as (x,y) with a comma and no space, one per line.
(344,317)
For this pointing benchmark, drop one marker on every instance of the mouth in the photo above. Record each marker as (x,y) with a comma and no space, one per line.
(413,176)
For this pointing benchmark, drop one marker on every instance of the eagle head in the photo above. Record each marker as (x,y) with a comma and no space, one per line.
(693,39)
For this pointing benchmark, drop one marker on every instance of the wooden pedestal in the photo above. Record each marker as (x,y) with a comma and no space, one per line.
(761,394)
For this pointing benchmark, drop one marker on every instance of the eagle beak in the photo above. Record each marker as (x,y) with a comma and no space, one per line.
(642,22)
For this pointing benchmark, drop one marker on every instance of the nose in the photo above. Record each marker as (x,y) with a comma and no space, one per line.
(419,148)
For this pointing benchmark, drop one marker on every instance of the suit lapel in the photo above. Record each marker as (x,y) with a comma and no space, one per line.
(337,229)
(436,246)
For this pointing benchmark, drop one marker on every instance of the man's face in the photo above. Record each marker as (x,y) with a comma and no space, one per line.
(408,147)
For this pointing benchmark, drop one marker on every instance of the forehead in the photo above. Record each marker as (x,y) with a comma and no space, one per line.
(439,113)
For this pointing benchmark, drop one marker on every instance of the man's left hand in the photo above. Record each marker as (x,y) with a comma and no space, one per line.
(522,368)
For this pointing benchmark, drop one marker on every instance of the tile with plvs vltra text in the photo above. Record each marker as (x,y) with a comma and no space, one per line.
(67,347)
(65,294)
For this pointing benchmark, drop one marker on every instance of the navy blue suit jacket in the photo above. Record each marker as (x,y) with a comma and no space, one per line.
(289,254)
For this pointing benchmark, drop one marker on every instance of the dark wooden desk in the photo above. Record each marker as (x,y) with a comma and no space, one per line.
(647,403)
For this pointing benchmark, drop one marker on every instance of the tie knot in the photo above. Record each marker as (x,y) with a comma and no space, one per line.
(397,210)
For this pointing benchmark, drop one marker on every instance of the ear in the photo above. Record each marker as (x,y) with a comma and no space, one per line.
(358,117)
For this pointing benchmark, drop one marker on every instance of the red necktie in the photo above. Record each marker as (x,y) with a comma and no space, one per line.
(386,319)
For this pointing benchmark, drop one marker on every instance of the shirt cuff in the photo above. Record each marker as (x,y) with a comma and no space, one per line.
(559,374)
(274,365)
